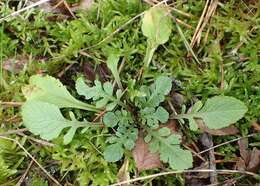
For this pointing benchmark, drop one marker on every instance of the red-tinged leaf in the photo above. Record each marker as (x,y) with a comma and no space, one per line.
(241,164)
(143,158)
(254,161)
(243,145)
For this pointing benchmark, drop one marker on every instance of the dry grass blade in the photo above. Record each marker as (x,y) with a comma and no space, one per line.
(207,13)
(33,159)
(227,142)
(21,180)
(222,171)
(24,9)
(188,47)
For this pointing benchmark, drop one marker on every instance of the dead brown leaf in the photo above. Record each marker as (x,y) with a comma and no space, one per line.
(256,126)
(254,160)
(231,130)
(143,158)
(172,125)
(249,160)
(15,65)
(243,145)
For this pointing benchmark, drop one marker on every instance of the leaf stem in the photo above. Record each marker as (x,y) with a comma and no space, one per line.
(181,116)
(85,106)
(149,54)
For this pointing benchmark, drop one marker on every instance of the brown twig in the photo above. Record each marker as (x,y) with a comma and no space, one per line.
(13,132)
(65,70)
(21,180)
(193,152)
(212,164)
(199,24)
(39,141)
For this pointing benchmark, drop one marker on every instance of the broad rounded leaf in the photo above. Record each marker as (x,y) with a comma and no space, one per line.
(113,152)
(156,25)
(43,119)
(221,111)
(50,90)
(46,120)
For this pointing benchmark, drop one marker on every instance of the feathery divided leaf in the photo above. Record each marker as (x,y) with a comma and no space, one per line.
(120,118)
(50,90)
(152,117)
(46,120)
(102,95)
(125,137)
(155,93)
(168,146)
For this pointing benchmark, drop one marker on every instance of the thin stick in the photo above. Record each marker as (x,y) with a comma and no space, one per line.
(26,152)
(193,152)
(212,159)
(68,8)
(11,104)
(13,132)
(188,47)
(24,9)
(222,171)
(24,174)
(199,24)
(41,142)
(227,142)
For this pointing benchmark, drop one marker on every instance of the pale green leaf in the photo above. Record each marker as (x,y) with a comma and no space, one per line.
(110,119)
(157,25)
(50,90)
(46,120)
(169,149)
(152,117)
(164,131)
(120,118)
(112,63)
(161,87)
(218,112)
(113,152)
(221,111)
(103,95)
(69,136)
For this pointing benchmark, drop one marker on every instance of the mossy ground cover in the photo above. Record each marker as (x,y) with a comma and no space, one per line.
(37,42)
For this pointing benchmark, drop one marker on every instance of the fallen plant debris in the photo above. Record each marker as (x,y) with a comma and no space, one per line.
(143,157)
(249,160)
